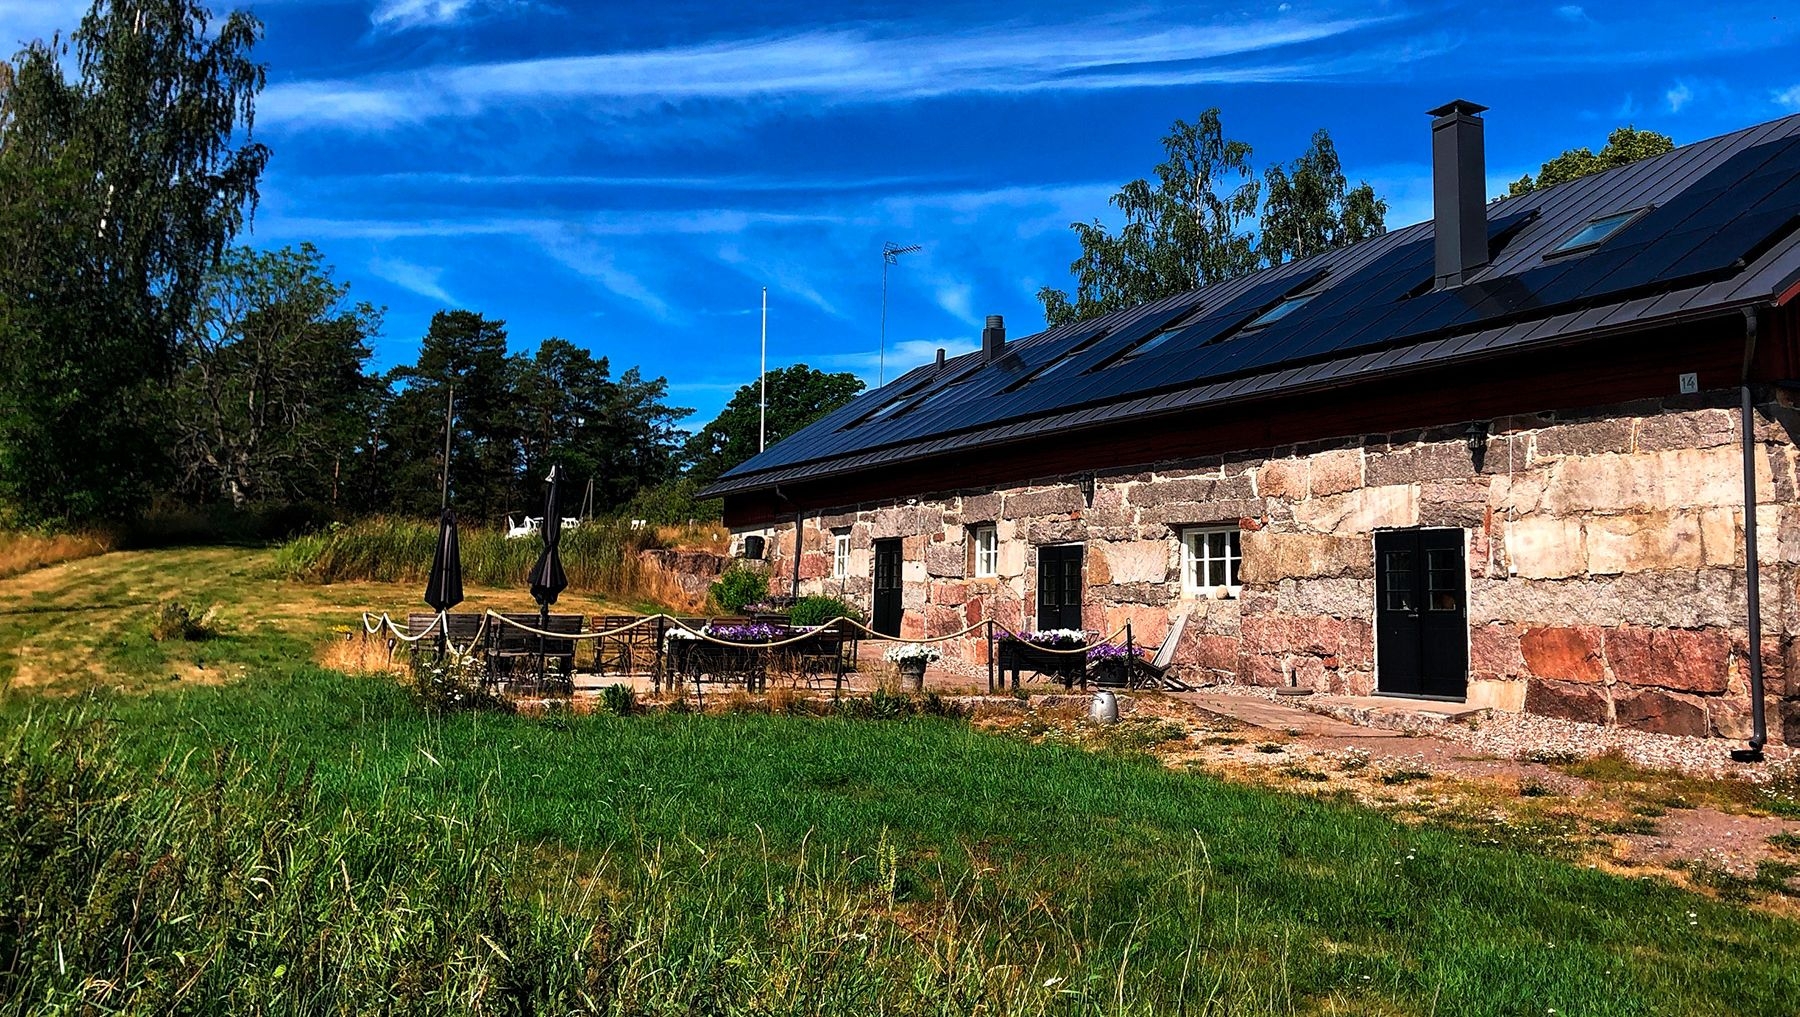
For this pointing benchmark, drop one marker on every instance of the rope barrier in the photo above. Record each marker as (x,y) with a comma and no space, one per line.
(487,617)
(1080,649)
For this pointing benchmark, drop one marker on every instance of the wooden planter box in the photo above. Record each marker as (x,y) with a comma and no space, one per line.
(1018,657)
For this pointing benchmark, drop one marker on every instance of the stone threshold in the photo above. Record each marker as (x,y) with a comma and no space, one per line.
(1394,714)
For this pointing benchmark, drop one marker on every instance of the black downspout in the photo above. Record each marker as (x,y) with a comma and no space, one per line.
(799,524)
(1752,571)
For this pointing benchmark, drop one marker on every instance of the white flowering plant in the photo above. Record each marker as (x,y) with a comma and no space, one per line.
(906,653)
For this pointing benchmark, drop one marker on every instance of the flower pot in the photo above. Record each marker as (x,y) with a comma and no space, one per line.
(912,674)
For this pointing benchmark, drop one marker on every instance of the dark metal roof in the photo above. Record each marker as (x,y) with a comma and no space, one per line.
(1719,232)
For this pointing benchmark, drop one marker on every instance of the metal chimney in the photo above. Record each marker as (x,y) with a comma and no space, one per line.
(1458,191)
(993,337)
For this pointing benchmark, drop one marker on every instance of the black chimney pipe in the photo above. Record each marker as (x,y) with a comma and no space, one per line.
(1458,191)
(993,337)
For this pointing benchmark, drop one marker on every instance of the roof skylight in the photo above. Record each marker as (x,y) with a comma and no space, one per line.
(1596,231)
(1062,361)
(1280,311)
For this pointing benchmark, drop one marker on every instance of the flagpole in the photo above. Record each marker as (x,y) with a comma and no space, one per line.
(762,416)
(449,412)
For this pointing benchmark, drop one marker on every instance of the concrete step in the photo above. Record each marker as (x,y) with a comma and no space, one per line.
(1410,715)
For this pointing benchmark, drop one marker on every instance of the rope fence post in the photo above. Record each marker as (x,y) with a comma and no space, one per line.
(1130,657)
(990,655)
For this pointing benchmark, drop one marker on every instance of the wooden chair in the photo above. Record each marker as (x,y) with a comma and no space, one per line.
(513,652)
(625,652)
(1154,673)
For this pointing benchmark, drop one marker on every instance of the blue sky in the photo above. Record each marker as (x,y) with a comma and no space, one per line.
(629,175)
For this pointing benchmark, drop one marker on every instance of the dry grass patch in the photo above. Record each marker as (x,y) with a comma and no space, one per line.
(23,552)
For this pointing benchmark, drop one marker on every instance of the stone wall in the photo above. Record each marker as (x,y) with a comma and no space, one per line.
(1605,551)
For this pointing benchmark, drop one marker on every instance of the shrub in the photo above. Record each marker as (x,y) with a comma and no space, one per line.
(740,586)
(618,699)
(175,620)
(819,610)
(450,685)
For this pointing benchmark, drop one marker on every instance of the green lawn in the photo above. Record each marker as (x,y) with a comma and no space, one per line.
(291,840)
(990,872)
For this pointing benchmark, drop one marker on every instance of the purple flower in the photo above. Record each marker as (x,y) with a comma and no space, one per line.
(1113,651)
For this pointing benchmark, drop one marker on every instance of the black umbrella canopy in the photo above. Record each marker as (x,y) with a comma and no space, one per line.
(547,578)
(444,588)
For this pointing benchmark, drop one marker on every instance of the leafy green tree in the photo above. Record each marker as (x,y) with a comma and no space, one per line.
(1184,232)
(1624,146)
(798,395)
(1308,210)
(271,397)
(119,189)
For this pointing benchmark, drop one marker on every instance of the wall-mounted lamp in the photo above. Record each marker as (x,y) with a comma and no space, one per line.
(1476,437)
(1087,483)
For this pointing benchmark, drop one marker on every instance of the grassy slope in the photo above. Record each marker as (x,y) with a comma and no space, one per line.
(1063,860)
(85,623)
(1323,905)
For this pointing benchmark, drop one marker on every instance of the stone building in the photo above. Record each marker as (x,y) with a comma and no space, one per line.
(1506,456)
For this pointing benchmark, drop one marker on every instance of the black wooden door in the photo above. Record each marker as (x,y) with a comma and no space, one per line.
(1059,587)
(1422,613)
(887,587)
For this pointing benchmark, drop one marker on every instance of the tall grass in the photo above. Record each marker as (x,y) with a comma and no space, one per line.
(202,888)
(736,862)
(22,551)
(600,557)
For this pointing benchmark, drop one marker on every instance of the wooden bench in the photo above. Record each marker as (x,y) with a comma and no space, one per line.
(460,630)
(513,653)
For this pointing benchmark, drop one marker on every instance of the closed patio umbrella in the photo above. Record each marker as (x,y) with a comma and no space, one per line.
(444,587)
(547,578)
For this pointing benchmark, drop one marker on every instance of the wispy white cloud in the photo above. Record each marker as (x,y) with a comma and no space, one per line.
(425,280)
(1788,99)
(1679,96)
(399,15)
(902,356)
(1573,13)
(835,66)
(957,298)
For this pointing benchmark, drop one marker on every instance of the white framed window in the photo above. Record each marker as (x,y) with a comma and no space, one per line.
(840,555)
(987,551)
(1209,560)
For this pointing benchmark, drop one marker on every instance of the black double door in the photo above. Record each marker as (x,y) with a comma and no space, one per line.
(1422,613)
(1059,587)
(887,587)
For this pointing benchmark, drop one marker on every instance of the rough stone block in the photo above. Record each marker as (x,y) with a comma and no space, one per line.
(1190,513)
(1420,462)
(1682,478)
(1283,478)
(1546,547)
(1215,653)
(1138,561)
(1336,471)
(1696,429)
(1643,542)
(949,594)
(1318,637)
(946,560)
(1356,645)
(1721,536)
(1047,501)
(1568,700)
(1565,653)
(1611,434)
(1338,596)
(1360,511)
(1056,531)
(1495,650)
(981,508)
(906,521)
(1461,503)
(1660,712)
(1692,660)
(1271,556)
